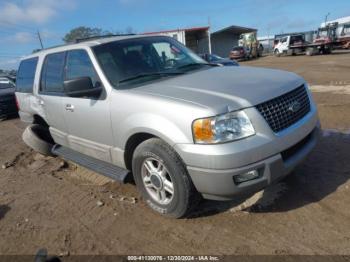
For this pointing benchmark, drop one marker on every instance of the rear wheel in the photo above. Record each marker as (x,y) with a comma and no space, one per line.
(162,179)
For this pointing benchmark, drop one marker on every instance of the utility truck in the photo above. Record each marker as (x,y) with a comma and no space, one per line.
(251,44)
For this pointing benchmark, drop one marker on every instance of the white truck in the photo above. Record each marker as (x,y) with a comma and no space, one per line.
(286,44)
(331,35)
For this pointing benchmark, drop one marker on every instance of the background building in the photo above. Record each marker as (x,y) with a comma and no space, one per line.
(195,38)
(343,21)
(223,40)
(267,42)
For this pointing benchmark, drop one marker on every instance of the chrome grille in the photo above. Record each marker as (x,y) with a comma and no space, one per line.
(285,110)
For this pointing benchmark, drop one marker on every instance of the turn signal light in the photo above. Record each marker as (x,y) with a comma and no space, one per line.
(202,130)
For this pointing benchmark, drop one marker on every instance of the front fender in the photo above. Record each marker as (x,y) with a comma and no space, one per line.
(156,125)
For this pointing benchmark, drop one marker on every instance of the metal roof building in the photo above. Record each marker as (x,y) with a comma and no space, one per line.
(195,38)
(223,40)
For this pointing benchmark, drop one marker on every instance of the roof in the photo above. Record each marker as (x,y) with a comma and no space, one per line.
(235,30)
(294,33)
(265,37)
(342,20)
(83,44)
(204,28)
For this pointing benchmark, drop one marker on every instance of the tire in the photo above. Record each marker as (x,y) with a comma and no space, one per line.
(310,51)
(157,154)
(327,51)
(38,138)
(277,53)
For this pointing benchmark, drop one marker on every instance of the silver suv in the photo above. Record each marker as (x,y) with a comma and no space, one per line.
(183,127)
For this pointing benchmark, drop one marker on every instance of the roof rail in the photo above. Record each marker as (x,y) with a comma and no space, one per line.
(79,40)
(48,48)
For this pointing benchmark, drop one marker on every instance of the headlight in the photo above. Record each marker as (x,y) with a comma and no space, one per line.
(223,128)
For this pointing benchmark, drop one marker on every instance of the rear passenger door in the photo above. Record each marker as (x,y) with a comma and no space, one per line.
(51,94)
(88,119)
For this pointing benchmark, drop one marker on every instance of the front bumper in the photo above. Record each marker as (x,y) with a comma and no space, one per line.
(212,167)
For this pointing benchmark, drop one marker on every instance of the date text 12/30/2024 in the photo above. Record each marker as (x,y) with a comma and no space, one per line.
(173,258)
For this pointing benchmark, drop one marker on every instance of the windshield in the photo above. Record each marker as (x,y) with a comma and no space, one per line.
(237,48)
(323,32)
(144,59)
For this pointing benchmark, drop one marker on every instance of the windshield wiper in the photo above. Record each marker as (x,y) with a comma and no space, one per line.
(157,74)
(195,64)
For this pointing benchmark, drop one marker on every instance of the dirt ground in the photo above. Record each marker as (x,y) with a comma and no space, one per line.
(47,203)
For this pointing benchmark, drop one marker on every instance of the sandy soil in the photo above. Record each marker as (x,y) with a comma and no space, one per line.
(46,203)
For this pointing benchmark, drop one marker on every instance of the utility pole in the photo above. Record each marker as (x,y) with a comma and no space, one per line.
(325,20)
(268,39)
(209,34)
(41,42)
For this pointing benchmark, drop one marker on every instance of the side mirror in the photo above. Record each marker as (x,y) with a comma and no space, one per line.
(81,86)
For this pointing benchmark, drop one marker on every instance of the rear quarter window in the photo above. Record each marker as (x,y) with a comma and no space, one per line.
(26,75)
(52,73)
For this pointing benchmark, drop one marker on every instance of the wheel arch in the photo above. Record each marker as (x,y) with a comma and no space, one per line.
(132,143)
(37,119)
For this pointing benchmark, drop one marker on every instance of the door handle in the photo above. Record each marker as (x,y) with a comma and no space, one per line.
(70,107)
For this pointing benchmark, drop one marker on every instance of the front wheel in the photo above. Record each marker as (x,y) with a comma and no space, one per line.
(162,179)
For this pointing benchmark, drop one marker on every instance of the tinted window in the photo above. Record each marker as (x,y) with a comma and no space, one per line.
(52,73)
(25,75)
(296,38)
(79,65)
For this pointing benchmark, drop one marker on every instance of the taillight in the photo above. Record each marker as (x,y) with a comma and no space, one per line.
(17,104)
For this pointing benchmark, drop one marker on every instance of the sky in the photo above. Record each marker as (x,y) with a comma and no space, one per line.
(20,20)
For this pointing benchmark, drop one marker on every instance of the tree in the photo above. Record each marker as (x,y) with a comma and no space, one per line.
(84,32)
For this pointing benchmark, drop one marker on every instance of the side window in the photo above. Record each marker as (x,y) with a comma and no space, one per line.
(52,73)
(26,75)
(79,65)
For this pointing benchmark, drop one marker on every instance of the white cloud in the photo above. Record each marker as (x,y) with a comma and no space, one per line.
(9,64)
(32,11)
(23,37)
(19,38)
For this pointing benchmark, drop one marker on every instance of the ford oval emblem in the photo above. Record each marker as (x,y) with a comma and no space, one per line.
(294,107)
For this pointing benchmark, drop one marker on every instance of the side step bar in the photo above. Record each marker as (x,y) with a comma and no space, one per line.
(99,166)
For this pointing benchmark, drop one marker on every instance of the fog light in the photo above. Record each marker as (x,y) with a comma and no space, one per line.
(254,174)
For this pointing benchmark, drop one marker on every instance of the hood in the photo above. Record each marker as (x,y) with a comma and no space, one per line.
(226,88)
